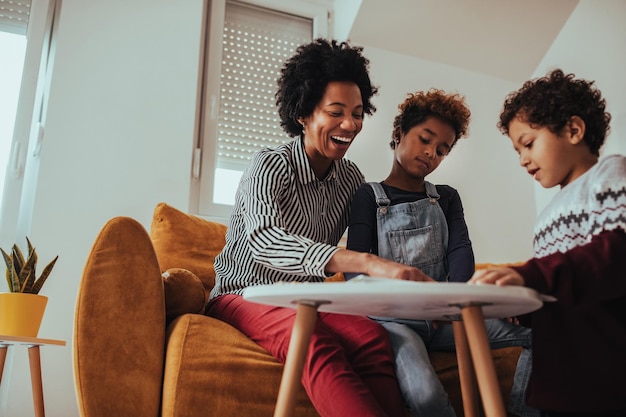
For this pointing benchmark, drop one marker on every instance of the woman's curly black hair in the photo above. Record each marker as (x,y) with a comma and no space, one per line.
(552,100)
(417,107)
(306,74)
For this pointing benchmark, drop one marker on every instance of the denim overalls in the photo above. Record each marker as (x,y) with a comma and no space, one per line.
(414,233)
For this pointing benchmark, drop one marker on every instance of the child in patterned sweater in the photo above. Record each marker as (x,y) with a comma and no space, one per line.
(557,125)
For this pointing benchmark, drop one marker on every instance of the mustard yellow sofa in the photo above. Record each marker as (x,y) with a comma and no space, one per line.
(142,346)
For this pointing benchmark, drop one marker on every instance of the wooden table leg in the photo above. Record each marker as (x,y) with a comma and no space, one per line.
(466,370)
(306,315)
(3,356)
(35,379)
(483,361)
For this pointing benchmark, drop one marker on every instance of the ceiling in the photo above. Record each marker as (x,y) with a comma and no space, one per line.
(501,38)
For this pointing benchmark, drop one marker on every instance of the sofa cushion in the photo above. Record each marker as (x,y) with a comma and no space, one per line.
(214,370)
(211,362)
(184,292)
(182,240)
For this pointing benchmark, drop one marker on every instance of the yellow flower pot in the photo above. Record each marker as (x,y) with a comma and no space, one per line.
(21,314)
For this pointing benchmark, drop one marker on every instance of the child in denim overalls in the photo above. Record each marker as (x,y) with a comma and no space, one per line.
(409,220)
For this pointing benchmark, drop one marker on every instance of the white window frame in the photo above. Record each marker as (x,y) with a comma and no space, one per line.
(17,203)
(204,160)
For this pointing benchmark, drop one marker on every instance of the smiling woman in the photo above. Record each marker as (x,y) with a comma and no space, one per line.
(291,209)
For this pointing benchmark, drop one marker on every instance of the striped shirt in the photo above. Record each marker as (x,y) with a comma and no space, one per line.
(285,223)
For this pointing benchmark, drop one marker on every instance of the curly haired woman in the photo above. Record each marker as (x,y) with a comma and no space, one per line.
(291,209)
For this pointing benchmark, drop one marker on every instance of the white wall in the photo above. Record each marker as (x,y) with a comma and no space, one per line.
(592,45)
(120,131)
(118,141)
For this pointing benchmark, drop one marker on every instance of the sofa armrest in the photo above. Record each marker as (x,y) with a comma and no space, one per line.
(119,325)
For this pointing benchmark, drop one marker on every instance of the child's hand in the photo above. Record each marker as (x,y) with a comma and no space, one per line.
(436,324)
(513,320)
(497,276)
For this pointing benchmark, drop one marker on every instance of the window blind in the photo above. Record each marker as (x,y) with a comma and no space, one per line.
(14,16)
(256,43)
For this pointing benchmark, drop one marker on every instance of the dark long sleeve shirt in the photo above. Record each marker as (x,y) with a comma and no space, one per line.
(363,237)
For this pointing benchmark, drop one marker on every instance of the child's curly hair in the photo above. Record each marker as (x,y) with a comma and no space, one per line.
(552,100)
(417,107)
(306,74)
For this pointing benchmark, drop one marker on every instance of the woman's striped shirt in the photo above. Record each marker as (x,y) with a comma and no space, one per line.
(285,223)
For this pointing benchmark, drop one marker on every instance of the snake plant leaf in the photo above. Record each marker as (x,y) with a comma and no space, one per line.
(18,259)
(21,274)
(44,275)
(11,274)
(31,248)
(28,282)
(27,274)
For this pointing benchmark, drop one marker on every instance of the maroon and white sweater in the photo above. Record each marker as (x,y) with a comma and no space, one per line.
(579,341)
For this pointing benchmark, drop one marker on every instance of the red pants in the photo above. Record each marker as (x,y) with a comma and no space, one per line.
(349,368)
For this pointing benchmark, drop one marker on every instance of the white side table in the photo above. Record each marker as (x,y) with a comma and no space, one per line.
(34,358)
(467,305)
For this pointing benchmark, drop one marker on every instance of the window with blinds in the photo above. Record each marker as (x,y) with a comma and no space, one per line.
(255,44)
(246,45)
(14,16)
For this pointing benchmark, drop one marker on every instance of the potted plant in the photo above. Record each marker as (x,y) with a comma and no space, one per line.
(22,308)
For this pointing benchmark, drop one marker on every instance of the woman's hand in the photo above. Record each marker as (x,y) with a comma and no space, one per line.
(374,266)
(380,267)
(498,276)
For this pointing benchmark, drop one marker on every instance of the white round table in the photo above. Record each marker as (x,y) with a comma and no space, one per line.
(368,296)
(467,305)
